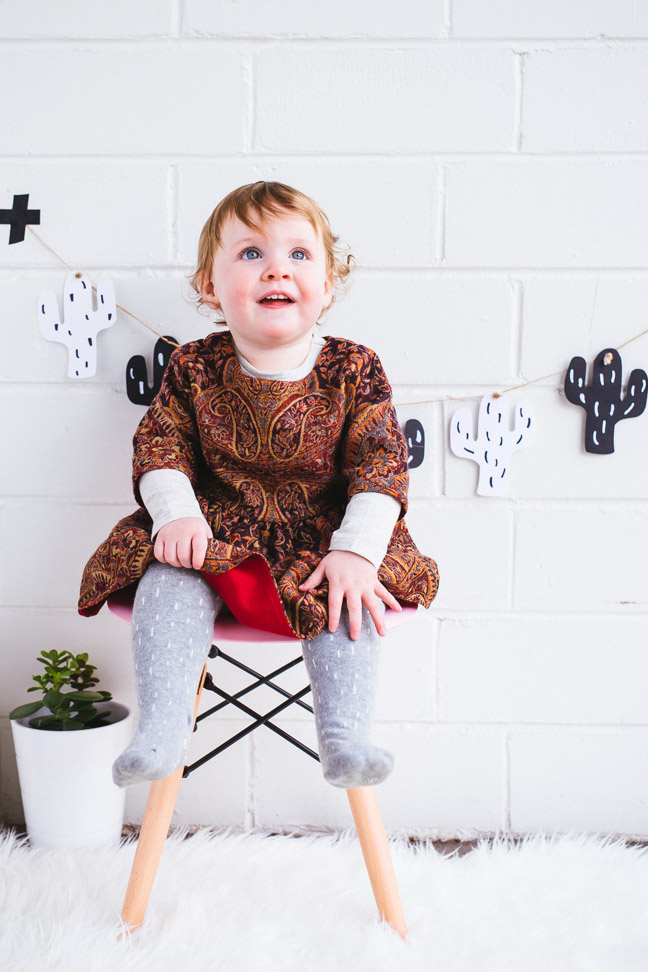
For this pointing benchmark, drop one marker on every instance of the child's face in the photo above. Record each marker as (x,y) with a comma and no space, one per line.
(287,257)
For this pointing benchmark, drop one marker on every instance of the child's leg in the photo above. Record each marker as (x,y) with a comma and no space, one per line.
(343,676)
(172,631)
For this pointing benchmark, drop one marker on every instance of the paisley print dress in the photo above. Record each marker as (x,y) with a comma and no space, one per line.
(273,465)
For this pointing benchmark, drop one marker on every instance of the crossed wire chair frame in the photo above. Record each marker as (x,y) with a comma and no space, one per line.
(259,719)
(163,794)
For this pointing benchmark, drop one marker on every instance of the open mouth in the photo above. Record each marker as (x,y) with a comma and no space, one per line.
(279,300)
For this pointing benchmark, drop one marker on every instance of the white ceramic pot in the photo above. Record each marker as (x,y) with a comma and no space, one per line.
(68,793)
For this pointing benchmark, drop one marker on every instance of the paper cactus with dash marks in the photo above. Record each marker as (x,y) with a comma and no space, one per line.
(602,399)
(492,445)
(137,388)
(77,327)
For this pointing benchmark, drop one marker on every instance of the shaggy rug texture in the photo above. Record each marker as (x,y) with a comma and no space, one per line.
(258,903)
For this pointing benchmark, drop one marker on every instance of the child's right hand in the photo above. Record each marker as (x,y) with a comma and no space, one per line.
(183,542)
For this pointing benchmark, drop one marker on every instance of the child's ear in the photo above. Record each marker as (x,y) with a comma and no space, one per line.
(328,293)
(207,292)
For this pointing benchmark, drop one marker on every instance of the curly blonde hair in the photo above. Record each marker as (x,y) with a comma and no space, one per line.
(260,200)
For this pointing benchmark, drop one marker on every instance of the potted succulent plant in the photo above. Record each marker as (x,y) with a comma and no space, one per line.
(66,743)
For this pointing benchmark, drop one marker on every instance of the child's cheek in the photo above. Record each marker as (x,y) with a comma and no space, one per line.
(236,298)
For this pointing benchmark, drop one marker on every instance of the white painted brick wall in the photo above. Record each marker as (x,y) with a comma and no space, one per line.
(552,18)
(338,19)
(487,166)
(605,111)
(386,98)
(23,19)
(142,101)
(547,212)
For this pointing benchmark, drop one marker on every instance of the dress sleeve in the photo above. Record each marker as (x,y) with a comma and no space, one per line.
(167,436)
(374,449)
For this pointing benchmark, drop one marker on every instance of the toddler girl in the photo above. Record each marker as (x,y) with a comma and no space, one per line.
(271,475)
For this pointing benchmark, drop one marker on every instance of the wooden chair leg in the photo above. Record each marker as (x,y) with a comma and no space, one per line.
(153,833)
(375,849)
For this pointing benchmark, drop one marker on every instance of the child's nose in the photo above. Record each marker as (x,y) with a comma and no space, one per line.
(276,267)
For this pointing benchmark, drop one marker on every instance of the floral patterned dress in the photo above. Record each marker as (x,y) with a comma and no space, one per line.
(273,465)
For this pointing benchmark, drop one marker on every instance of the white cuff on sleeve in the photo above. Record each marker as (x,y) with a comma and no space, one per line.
(367,526)
(167,495)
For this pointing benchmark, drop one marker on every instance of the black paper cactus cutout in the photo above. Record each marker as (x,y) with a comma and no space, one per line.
(415,443)
(602,399)
(136,376)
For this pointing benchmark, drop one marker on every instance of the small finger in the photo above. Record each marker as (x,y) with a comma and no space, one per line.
(355,618)
(377,614)
(158,551)
(184,552)
(312,580)
(199,549)
(335,608)
(387,597)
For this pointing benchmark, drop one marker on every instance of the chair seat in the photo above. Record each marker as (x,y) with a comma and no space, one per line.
(227,628)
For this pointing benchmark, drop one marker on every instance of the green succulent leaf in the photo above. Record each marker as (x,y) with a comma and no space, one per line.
(85,695)
(52,699)
(22,711)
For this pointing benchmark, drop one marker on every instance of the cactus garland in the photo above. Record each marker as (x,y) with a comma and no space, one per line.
(602,400)
(491,446)
(77,327)
(137,388)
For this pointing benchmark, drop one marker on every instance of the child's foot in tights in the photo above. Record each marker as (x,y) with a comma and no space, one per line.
(343,676)
(172,631)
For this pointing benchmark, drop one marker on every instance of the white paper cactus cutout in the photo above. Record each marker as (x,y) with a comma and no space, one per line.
(494,442)
(78,326)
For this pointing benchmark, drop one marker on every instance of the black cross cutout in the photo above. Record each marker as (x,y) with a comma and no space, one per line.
(19,217)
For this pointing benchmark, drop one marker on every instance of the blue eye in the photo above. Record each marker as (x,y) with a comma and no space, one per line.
(251,249)
(304,255)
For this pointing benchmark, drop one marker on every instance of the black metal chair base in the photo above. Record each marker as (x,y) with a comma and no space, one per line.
(258,719)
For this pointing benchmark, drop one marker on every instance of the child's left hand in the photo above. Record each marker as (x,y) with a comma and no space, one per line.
(355,578)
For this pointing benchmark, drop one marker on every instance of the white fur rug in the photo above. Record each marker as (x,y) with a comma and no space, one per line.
(256,903)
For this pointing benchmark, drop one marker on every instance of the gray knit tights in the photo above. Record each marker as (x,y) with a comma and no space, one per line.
(343,675)
(172,631)
(173,621)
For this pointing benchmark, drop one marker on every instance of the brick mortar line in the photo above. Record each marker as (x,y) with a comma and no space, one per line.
(392,43)
(316,155)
